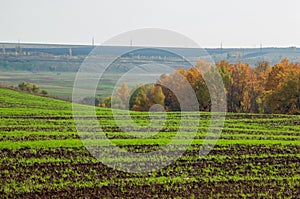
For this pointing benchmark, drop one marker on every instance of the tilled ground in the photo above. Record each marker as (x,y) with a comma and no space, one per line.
(227,171)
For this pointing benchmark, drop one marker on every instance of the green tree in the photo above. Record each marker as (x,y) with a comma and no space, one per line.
(140,98)
(44,92)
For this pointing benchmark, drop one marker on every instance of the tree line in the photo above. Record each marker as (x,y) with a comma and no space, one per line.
(261,89)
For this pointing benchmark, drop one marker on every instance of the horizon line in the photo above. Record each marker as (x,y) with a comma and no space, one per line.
(95,45)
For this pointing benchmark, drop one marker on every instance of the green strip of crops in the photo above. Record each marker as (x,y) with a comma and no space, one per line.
(124,142)
(41,135)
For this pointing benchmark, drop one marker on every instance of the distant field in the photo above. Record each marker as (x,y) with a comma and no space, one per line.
(57,84)
(42,155)
(61,84)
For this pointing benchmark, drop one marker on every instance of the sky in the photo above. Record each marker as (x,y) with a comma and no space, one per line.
(234,23)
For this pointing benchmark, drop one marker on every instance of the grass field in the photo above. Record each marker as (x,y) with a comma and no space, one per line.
(42,156)
(57,84)
(60,84)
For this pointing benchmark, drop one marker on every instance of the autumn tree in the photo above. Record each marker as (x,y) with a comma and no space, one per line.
(261,89)
(260,74)
(225,70)
(167,82)
(157,96)
(120,100)
(239,89)
(282,93)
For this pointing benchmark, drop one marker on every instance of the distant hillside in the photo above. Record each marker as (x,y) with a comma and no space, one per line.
(62,58)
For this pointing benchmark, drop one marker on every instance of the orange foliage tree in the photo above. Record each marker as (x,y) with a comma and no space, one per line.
(262,89)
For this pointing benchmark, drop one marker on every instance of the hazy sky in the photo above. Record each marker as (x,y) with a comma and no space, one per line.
(237,23)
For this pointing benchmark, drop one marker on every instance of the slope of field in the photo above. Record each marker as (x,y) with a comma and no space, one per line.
(41,155)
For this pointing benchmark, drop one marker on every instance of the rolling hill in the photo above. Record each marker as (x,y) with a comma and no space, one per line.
(42,155)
